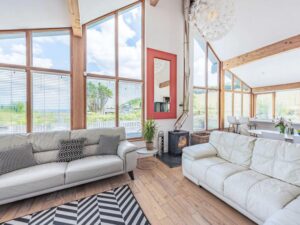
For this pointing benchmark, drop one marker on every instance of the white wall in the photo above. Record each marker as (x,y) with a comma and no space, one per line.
(165,31)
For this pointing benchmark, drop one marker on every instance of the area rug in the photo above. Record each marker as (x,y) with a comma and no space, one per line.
(117,206)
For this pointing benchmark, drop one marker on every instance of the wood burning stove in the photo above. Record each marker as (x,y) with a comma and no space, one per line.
(178,139)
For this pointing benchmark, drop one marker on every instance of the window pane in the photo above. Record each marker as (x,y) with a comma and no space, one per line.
(213,70)
(237,85)
(13,48)
(130,42)
(199,63)
(228,81)
(199,103)
(213,110)
(101,47)
(12,101)
(246,105)
(130,108)
(288,105)
(51,49)
(100,108)
(51,102)
(264,106)
(228,107)
(237,104)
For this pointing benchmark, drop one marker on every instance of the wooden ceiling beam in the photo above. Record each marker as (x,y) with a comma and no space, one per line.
(75,18)
(154,2)
(279,87)
(275,48)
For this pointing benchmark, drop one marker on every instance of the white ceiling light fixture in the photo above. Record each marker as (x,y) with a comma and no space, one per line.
(213,18)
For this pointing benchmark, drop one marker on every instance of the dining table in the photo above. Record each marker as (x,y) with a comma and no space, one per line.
(257,133)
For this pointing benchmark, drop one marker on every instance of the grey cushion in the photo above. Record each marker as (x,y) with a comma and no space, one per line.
(16,158)
(108,144)
(93,167)
(70,150)
(32,179)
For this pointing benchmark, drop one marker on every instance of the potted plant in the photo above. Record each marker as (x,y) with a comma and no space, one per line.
(149,133)
(281,124)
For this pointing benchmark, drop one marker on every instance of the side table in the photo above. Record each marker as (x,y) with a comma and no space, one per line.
(146,159)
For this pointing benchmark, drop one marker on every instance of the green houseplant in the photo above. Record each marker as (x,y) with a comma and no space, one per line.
(149,131)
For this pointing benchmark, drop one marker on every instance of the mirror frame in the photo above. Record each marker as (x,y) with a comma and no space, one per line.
(172,58)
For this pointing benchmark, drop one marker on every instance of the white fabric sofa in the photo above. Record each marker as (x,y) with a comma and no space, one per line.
(49,175)
(258,177)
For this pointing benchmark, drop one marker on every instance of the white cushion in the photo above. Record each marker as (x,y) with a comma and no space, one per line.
(216,175)
(237,186)
(195,152)
(213,171)
(200,167)
(284,217)
(93,167)
(233,147)
(268,196)
(294,206)
(32,179)
(277,159)
(10,141)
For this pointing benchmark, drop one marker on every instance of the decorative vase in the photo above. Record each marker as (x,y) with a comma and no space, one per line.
(149,146)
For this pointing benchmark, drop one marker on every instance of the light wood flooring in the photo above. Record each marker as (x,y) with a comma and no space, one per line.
(164,194)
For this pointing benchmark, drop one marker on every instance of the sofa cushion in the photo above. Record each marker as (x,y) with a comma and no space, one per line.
(48,141)
(278,159)
(233,147)
(108,144)
(199,151)
(268,196)
(283,217)
(237,186)
(11,141)
(93,135)
(200,167)
(92,167)
(70,150)
(32,179)
(16,158)
(217,174)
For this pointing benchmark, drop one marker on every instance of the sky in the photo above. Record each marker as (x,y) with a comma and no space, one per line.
(53,51)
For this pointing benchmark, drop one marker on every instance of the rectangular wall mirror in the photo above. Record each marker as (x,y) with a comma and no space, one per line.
(161,85)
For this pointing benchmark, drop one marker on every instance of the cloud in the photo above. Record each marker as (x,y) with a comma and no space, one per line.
(101,46)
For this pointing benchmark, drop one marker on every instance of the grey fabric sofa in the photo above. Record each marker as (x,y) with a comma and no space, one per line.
(49,175)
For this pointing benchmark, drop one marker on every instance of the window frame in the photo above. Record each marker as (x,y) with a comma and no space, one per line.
(117,78)
(30,69)
(242,91)
(206,88)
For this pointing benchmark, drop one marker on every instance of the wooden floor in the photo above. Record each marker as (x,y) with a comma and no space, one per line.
(163,193)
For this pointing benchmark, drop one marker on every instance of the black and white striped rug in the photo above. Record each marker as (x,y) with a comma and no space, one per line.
(117,206)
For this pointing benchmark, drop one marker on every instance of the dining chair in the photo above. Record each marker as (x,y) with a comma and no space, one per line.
(273,136)
(232,122)
(296,139)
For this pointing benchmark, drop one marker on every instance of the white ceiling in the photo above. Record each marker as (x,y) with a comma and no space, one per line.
(282,68)
(259,23)
(26,14)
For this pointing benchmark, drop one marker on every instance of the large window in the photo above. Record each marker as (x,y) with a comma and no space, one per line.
(206,87)
(35,96)
(12,101)
(237,97)
(284,104)
(114,71)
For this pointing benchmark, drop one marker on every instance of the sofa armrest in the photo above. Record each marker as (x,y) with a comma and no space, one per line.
(199,151)
(127,152)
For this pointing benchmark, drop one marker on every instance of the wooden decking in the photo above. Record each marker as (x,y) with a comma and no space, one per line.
(163,193)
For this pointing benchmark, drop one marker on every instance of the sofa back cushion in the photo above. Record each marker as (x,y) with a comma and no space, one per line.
(232,147)
(12,140)
(278,159)
(45,145)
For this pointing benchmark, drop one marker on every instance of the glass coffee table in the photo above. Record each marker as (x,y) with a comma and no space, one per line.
(146,159)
